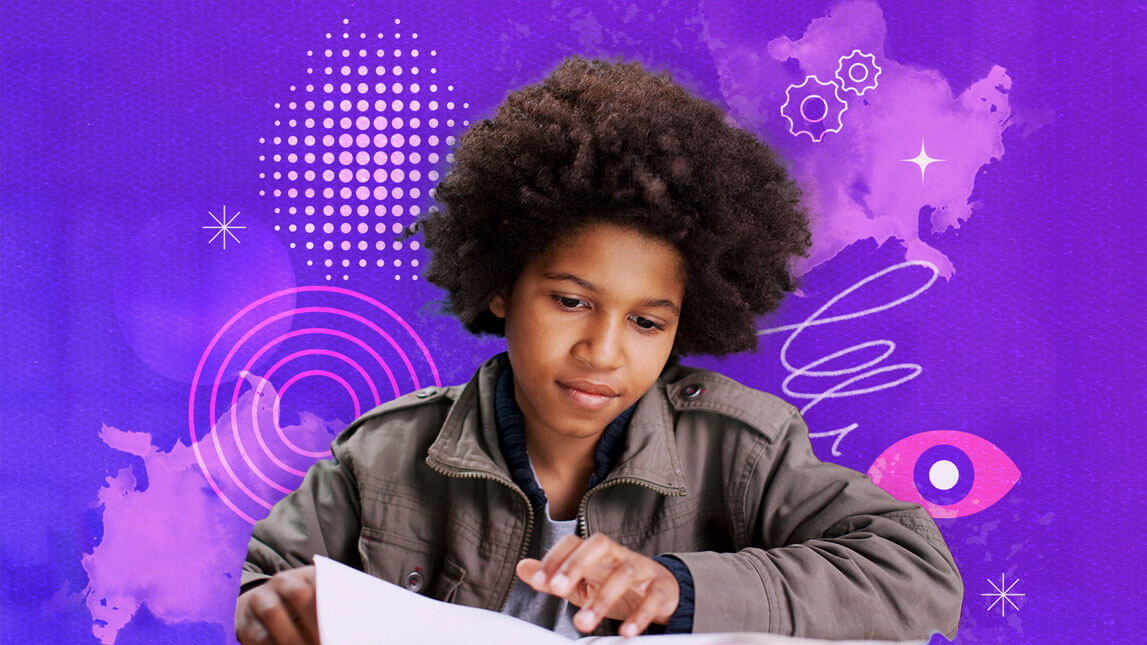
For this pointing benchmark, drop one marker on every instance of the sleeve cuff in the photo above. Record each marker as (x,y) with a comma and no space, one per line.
(681,622)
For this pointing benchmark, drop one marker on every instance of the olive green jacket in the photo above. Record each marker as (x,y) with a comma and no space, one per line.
(715,473)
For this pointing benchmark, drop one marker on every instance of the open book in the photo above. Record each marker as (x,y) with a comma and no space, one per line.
(357,608)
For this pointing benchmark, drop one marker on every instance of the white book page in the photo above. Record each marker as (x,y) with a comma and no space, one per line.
(357,608)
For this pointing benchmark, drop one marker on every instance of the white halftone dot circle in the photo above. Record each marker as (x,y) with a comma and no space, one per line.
(345,157)
(381,262)
(328,245)
(344,210)
(397,174)
(380,228)
(310,245)
(328,262)
(414,246)
(397,245)
(396,228)
(396,210)
(398,263)
(328,228)
(414,263)
(363,210)
(363,157)
(345,228)
(362,263)
(380,175)
(328,210)
(363,227)
(944,474)
(345,245)
(361,175)
(362,245)
(344,88)
(396,88)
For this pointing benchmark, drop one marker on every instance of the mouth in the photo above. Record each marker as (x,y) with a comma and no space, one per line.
(593,397)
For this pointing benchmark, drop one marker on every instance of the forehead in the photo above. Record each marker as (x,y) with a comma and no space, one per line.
(618,261)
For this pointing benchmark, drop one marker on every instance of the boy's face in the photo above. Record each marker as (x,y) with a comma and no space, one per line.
(589,327)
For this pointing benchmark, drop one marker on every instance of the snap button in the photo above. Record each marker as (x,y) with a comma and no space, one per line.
(692,391)
(413,580)
(424,392)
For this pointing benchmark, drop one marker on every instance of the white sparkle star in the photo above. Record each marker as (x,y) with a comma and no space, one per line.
(1004,594)
(922,160)
(225,227)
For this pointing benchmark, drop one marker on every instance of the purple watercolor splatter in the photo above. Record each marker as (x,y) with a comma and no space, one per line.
(858,183)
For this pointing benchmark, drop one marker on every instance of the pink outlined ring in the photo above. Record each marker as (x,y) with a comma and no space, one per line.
(858,72)
(813,107)
(345,337)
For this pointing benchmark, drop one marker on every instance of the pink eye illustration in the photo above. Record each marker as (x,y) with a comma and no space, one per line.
(948,472)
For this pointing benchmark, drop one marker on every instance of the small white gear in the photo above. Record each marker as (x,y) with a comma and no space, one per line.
(858,72)
(813,107)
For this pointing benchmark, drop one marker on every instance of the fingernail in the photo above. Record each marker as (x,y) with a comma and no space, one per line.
(560,582)
(539,579)
(629,630)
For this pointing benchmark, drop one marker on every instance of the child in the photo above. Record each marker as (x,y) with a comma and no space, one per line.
(606,222)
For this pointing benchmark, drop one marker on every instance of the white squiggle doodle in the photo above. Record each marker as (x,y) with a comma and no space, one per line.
(912,370)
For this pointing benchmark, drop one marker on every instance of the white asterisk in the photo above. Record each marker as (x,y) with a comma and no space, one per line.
(1003,594)
(225,227)
(922,159)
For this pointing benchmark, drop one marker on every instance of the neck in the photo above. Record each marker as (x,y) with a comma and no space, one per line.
(565,457)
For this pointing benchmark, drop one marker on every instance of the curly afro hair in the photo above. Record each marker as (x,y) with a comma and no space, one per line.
(609,141)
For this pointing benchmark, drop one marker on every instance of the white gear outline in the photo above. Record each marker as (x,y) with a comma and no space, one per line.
(799,106)
(847,80)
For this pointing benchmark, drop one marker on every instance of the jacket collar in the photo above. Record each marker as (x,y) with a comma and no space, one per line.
(468,444)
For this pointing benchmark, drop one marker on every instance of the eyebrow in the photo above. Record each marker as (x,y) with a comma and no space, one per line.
(591,287)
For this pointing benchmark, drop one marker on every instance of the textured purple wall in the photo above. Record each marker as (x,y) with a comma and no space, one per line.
(969,331)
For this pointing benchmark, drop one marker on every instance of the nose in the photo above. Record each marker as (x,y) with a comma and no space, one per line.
(600,346)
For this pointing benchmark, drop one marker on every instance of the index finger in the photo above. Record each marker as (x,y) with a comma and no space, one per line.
(298,592)
(554,559)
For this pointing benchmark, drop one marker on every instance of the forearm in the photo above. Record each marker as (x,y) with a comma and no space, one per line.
(888,577)
(320,517)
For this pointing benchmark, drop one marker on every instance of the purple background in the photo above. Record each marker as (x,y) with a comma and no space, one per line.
(124,124)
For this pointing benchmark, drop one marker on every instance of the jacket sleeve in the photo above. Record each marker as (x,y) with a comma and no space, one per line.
(321,516)
(832,556)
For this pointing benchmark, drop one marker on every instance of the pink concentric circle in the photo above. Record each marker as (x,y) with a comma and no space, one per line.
(343,337)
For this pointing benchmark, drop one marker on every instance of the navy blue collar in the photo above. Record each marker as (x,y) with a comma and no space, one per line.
(512,440)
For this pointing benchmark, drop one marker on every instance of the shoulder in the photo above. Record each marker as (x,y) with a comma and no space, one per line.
(697,390)
(406,419)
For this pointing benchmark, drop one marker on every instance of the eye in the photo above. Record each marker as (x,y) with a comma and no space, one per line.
(646,324)
(949,473)
(569,303)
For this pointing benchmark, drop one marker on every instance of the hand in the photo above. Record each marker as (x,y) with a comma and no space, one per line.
(281,611)
(606,580)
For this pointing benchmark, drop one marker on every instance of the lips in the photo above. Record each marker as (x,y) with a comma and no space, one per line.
(595,396)
(590,387)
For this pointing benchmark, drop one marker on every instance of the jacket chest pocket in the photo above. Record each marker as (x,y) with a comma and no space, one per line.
(410,564)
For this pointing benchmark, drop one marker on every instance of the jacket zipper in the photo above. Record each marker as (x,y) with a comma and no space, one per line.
(476,474)
(583,521)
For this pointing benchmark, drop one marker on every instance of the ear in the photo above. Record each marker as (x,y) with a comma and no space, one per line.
(498,306)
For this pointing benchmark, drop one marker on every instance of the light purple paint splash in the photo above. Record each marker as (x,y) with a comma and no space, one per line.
(857,183)
(173,546)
